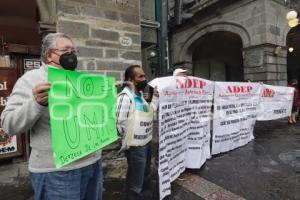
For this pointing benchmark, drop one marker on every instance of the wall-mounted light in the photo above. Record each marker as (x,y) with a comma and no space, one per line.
(291,49)
(292,18)
(152,53)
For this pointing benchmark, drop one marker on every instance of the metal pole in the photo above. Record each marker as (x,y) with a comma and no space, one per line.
(164,38)
(158,18)
(178,11)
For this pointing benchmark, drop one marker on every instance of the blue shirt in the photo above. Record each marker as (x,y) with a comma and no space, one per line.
(139,103)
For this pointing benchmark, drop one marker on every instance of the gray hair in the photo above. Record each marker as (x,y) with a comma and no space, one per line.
(48,43)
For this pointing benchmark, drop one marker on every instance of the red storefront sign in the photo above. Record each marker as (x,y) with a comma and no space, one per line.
(9,145)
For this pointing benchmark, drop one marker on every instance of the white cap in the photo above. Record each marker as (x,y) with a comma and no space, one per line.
(178,70)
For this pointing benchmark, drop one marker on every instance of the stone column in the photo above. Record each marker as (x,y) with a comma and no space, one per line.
(266,63)
(47,11)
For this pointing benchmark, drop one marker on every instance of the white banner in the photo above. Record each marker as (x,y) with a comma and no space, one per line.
(276,102)
(235,113)
(184,126)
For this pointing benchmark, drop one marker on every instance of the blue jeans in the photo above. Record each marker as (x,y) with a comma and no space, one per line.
(138,172)
(84,183)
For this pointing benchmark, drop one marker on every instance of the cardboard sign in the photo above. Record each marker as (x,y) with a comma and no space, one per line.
(82,114)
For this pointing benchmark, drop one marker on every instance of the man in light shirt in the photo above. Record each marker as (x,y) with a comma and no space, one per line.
(27,109)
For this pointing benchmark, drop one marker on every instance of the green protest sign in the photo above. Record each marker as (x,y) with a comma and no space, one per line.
(82,113)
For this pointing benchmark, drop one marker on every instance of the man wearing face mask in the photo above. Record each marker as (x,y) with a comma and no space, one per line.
(27,109)
(134,123)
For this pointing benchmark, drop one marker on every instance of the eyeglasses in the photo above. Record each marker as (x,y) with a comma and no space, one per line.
(67,50)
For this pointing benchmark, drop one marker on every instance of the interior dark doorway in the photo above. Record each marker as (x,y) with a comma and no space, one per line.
(218,56)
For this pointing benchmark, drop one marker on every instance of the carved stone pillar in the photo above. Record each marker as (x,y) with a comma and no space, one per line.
(47,12)
(266,63)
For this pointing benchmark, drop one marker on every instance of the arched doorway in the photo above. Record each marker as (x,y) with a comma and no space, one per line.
(218,56)
(293,53)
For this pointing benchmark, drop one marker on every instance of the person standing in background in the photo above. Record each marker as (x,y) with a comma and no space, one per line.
(135,125)
(292,118)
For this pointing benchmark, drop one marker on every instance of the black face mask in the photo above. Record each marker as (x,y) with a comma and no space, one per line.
(141,85)
(68,61)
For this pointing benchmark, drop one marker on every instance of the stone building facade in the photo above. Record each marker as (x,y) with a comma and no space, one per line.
(107,33)
(110,36)
(234,41)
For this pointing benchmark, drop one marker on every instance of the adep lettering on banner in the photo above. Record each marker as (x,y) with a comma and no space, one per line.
(268,92)
(189,83)
(239,89)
